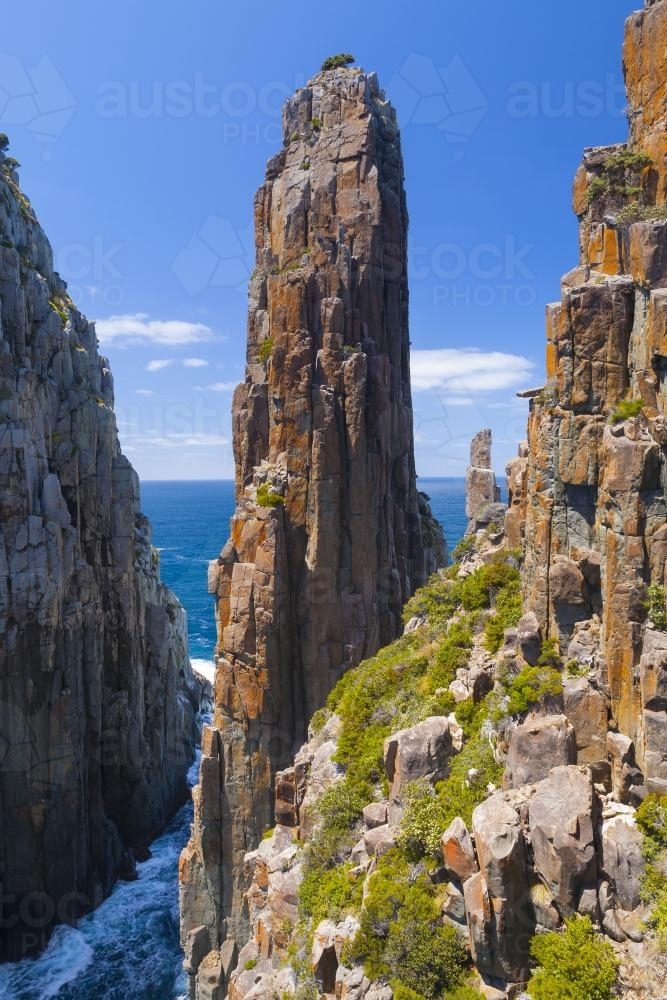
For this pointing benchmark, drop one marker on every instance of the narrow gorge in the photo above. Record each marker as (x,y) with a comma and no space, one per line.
(98,703)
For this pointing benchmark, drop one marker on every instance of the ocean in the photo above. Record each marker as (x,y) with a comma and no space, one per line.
(129,947)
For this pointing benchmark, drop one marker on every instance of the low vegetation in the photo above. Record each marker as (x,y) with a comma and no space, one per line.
(265,350)
(574,964)
(652,821)
(267,497)
(656,605)
(620,176)
(341,59)
(402,937)
(626,409)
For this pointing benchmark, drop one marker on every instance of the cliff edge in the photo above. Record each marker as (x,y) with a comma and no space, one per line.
(97,700)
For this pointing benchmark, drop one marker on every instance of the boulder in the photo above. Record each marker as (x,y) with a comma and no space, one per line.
(423,751)
(536,746)
(622,858)
(562,821)
(499,895)
(586,710)
(458,851)
(529,637)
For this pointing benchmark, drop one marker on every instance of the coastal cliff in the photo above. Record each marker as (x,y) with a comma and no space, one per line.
(479,810)
(595,473)
(98,703)
(330,535)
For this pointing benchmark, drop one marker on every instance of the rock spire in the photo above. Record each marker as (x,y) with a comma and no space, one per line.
(330,536)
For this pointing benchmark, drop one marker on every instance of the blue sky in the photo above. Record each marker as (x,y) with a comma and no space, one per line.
(143,131)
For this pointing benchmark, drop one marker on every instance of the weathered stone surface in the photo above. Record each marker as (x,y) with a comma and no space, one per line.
(481,488)
(587,711)
(498,905)
(457,850)
(97,699)
(562,820)
(622,859)
(423,751)
(529,637)
(536,746)
(592,494)
(330,536)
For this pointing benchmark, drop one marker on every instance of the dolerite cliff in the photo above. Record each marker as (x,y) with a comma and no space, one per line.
(591,487)
(97,700)
(330,536)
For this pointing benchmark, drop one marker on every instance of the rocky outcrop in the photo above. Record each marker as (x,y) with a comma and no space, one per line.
(591,485)
(97,700)
(330,536)
(482,492)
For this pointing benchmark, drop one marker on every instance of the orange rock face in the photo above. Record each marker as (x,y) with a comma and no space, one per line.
(330,536)
(594,480)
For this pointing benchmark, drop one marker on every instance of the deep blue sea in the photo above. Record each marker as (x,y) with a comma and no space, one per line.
(129,946)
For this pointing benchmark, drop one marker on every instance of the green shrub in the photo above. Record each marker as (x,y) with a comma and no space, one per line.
(316,123)
(531,687)
(652,821)
(342,59)
(636,211)
(508,611)
(549,656)
(464,547)
(656,605)
(626,409)
(576,964)
(401,936)
(267,497)
(329,894)
(464,992)
(620,175)
(250,964)
(4,142)
(265,350)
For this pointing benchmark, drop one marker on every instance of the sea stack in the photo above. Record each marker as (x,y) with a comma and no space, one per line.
(330,536)
(97,700)
(591,486)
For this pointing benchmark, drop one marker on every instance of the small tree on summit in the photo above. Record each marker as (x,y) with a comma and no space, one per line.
(342,59)
(4,142)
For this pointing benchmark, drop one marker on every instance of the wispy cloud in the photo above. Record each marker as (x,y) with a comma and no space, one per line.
(144,392)
(138,328)
(182,439)
(158,364)
(217,387)
(195,363)
(467,371)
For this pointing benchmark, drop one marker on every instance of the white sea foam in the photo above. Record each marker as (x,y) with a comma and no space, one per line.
(205,669)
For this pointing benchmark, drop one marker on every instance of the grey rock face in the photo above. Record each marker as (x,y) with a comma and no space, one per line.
(97,699)
(537,745)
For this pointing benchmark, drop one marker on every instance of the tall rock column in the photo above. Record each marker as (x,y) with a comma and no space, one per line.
(595,481)
(97,699)
(327,541)
(481,488)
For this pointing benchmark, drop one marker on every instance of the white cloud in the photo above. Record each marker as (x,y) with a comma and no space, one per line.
(158,365)
(217,387)
(195,363)
(182,439)
(144,392)
(463,371)
(138,328)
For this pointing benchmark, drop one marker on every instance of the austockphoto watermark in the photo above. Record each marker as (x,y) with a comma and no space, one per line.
(93,272)
(248,112)
(486,274)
